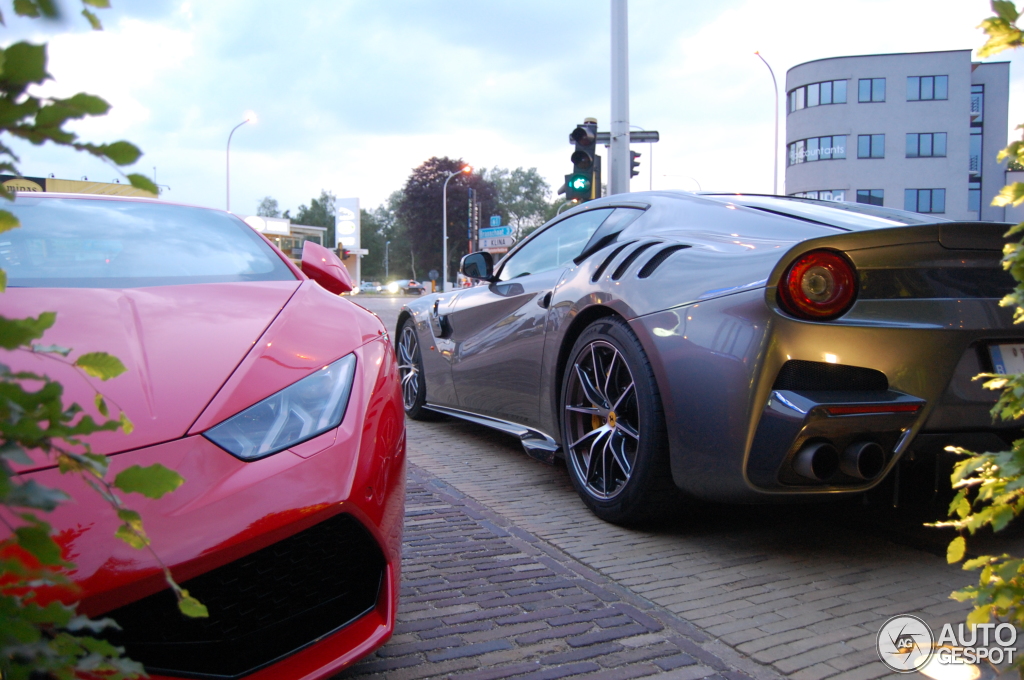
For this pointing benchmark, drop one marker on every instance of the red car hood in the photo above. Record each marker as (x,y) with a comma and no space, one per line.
(179,343)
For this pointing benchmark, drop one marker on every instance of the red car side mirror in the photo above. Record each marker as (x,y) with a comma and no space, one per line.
(324,267)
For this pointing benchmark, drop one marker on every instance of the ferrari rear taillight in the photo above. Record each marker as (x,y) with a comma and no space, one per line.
(819,285)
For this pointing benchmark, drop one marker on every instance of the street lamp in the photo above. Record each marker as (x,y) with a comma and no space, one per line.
(386,244)
(775,181)
(444,219)
(650,159)
(249,118)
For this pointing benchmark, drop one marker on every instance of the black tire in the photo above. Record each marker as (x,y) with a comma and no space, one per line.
(410,368)
(613,428)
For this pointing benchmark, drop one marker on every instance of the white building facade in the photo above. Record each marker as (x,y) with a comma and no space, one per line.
(917,131)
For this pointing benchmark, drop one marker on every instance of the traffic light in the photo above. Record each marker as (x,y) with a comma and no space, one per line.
(584,183)
(634,164)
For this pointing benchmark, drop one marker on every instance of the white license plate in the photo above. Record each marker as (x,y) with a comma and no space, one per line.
(1007,358)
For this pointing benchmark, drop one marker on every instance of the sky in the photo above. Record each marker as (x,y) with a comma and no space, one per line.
(351,95)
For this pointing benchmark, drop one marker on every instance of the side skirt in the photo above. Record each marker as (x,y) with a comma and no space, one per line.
(536,444)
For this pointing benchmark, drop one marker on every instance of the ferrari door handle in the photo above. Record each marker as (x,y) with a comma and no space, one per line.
(545,300)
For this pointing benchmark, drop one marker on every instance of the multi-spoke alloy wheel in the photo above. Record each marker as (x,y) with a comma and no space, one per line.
(602,420)
(613,427)
(410,368)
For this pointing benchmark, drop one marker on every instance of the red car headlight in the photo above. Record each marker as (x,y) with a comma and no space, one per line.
(299,412)
(818,286)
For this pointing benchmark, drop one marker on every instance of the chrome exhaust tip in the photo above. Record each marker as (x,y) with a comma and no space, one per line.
(817,461)
(863,460)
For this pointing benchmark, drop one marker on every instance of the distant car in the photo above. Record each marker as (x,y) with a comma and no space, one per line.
(370,287)
(739,348)
(278,401)
(406,286)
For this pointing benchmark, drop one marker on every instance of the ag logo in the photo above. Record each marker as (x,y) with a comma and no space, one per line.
(904,643)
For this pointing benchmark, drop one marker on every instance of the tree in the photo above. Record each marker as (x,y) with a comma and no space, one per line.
(522,197)
(320,213)
(990,486)
(268,208)
(379,226)
(420,211)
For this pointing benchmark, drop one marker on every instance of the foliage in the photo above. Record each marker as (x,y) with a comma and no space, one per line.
(39,636)
(268,208)
(378,226)
(320,213)
(990,486)
(420,211)
(522,197)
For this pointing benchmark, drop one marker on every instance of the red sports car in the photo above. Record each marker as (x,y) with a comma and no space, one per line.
(278,401)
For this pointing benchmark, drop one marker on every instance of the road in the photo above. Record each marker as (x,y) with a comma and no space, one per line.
(762,592)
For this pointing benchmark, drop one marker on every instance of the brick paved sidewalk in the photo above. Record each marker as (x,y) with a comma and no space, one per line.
(483,600)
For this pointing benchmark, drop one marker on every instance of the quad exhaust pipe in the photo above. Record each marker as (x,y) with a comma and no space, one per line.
(821,460)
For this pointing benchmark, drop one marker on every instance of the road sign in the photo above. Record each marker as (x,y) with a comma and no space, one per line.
(433,275)
(495,232)
(635,136)
(496,242)
(495,220)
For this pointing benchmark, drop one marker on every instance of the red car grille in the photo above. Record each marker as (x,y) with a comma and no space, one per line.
(262,607)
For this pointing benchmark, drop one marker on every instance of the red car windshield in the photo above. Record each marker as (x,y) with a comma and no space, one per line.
(90,243)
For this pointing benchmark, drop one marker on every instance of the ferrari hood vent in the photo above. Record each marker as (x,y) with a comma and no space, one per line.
(608,260)
(621,269)
(658,258)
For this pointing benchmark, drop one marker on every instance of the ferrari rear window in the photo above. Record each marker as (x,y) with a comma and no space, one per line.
(95,243)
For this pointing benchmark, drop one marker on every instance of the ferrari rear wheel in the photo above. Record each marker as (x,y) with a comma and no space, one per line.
(410,368)
(613,427)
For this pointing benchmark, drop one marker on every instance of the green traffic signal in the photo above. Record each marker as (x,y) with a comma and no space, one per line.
(579,183)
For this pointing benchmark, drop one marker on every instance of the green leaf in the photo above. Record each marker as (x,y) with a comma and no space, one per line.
(101,405)
(31,494)
(100,365)
(93,20)
(971,565)
(121,153)
(51,349)
(979,615)
(26,8)
(37,540)
(13,452)
(3,280)
(131,537)
(15,333)
(98,4)
(130,517)
(955,551)
(152,482)
(142,182)
(126,425)
(192,607)
(25,63)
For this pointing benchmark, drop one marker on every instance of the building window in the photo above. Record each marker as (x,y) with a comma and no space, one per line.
(925,200)
(975,152)
(817,149)
(870,196)
(974,197)
(870,146)
(926,144)
(838,195)
(922,88)
(871,90)
(977,103)
(817,94)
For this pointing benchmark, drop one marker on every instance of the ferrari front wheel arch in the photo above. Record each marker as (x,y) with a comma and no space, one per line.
(613,427)
(410,370)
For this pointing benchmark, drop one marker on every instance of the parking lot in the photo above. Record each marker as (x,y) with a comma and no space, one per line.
(507,574)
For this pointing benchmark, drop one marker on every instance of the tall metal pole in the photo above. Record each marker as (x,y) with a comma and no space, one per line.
(444,218)
(618,150)
(228,155)
(386,244)
(775,180)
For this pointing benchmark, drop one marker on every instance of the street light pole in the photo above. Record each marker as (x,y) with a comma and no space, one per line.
(775,181)
(386,244)
(444,219)
(249,118)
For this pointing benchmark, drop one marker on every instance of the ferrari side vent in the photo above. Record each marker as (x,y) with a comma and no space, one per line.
(263,606)
(621,269)
(608,260)
(818,376)
(660,257)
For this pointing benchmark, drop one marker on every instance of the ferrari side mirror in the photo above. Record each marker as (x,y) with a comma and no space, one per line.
(324,267)
(478,266)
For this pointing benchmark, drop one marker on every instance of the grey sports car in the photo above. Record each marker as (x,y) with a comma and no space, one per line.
(734,347)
